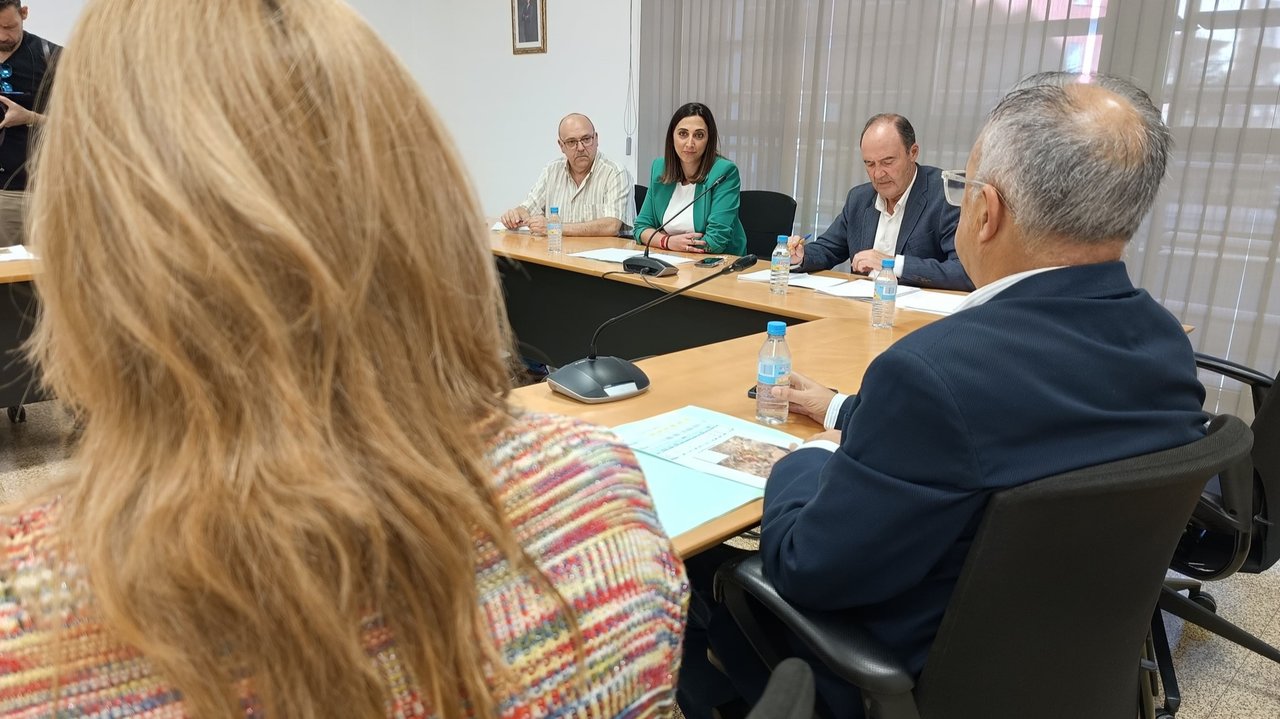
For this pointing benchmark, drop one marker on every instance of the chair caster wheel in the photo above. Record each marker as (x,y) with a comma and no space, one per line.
(1205,600)
(17,414)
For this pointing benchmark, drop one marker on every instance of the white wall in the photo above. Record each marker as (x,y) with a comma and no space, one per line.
(501,108)
(52,21)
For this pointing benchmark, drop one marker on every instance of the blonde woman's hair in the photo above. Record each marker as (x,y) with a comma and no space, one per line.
(268,293)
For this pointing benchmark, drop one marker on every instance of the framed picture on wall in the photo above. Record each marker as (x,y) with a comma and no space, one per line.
(528,26)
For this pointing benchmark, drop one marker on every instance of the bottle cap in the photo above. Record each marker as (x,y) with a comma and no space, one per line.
(554,209)
(777,329)
(782,239)
(886,264)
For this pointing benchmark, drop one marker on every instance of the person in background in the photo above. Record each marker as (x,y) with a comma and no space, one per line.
(26,70)
(1056,362)
(690,164)
(594,193)
(300,490)
(899,215)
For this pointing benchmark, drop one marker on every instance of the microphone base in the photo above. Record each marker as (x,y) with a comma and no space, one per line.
(595,380)
(650,266)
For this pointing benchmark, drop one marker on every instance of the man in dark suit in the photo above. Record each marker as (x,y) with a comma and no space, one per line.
(899,215)
(1054,363)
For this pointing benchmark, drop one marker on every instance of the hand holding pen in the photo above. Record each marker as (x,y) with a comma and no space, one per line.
(796,245)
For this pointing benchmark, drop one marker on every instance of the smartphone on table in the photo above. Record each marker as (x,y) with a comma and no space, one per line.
(710,261)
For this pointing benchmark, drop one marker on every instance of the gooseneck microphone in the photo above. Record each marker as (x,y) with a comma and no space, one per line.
(597,379)
(652,266)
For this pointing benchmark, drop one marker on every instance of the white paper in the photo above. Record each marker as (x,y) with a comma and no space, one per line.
(618,254)
(16,252)
(499,227)
(797,279)
(710,442)
(862,290)
(939,303)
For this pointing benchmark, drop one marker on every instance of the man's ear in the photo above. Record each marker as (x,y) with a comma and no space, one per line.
(992,213)
(23,11)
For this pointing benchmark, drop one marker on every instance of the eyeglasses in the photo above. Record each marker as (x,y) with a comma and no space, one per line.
(953,182)
(6,72)
(584,142)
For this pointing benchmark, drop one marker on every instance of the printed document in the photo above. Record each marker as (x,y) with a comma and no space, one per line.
(710,442)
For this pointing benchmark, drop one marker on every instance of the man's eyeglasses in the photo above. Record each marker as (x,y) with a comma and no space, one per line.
(6,72)
(584,142)
(953,182)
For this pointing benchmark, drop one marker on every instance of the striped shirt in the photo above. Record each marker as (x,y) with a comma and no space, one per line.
(580,509)
(607,191)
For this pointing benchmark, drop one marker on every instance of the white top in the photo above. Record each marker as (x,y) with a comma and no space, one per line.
(683,195)
(890,226)
(606,191)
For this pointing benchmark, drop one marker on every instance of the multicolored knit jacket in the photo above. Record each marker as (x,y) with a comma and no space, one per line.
(581,510)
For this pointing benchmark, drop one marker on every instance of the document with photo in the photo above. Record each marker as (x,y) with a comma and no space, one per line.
(711,442)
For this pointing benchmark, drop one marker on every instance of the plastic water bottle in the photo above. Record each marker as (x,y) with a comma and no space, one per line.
(886,293)
(555,235)
(773,374)
(780,268)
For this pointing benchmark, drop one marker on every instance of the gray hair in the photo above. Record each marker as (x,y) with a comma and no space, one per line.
(1062,171)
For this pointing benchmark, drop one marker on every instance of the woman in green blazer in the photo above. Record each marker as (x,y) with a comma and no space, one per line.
(691,164)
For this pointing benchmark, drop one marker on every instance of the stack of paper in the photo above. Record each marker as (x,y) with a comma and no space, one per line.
(797,279)
(618,254)
(16,252)
(862,290)
(939,303)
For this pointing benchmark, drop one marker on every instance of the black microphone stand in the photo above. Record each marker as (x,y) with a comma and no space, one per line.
(596,379)
(652,266)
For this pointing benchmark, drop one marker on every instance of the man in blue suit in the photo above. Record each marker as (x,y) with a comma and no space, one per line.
(1054,363)
(899,215)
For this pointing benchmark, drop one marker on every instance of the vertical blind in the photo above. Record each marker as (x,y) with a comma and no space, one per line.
(791,83)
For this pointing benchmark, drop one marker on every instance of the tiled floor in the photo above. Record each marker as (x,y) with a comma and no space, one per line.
(1219,680)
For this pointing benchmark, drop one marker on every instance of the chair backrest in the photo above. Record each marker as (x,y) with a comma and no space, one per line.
(1058,589)
(1230,530)
(1264,550)
(641,191)
(765,215)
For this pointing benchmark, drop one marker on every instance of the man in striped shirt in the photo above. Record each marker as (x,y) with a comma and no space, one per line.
(594,193)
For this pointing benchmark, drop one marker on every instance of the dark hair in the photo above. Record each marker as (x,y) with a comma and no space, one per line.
(15,4)
(673,171)
(900,123)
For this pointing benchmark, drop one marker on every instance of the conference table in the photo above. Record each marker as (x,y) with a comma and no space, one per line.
(555,302)
(699,349)
(834,351)
(17,317)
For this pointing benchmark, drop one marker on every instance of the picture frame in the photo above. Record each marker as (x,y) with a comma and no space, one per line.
(528,27)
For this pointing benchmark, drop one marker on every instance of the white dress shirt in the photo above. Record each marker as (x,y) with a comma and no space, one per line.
(890,226)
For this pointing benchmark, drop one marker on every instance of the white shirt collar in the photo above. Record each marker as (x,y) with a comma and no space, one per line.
(902,201)
(987,291)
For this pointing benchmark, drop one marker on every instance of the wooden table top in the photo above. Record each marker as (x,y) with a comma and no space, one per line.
(834,351)
(800,303)
(17,271)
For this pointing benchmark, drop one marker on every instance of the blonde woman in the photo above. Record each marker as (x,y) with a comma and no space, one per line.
(300,490)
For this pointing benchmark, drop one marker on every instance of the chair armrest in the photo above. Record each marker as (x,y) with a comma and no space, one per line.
(1234,370)
(841,643)
(1259,384)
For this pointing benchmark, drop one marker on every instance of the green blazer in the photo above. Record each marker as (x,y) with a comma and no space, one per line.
(715,215)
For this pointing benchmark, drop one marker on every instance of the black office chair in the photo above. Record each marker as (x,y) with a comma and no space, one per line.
(1015,642)
(765,215)
(1231,529)
(789,693)
(641,191)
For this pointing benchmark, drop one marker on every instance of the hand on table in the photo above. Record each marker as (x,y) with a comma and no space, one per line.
(795,244)
(687,242)
(809,398)
(867,261)
(512,219)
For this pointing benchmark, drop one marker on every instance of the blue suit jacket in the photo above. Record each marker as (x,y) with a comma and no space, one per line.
(1065,369)
(927,239)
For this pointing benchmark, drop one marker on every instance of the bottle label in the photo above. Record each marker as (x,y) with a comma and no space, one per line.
(886,292)
(774,373)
